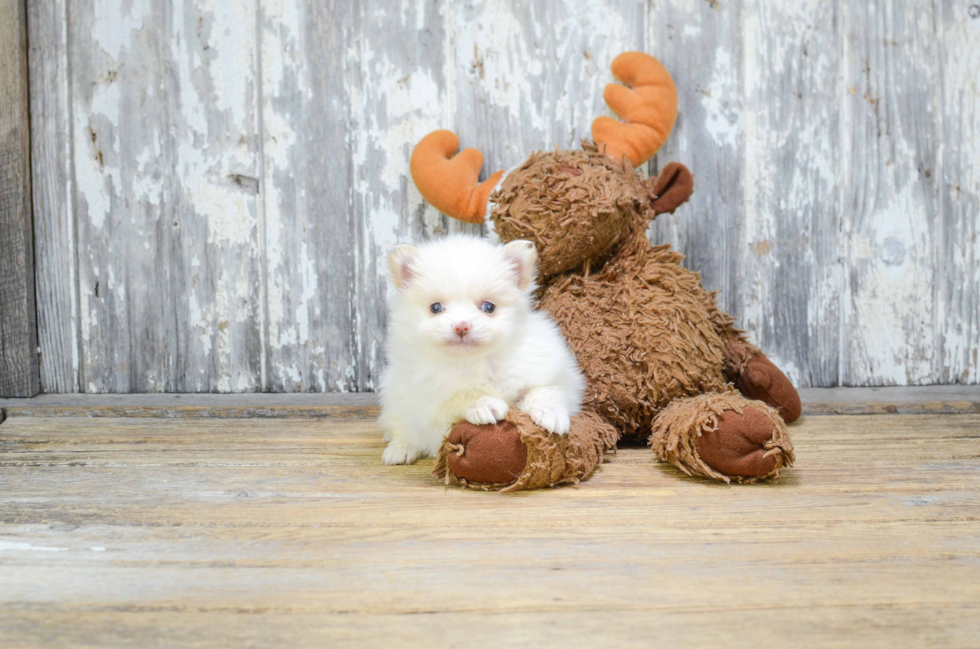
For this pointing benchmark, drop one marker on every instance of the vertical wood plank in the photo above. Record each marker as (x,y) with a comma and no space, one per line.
(348,90)
(890,203)
(700,44)
(789,254)
(308,231)
(165,142)
(529,76)
(957,248)
(397,72)
(18,326)
(54,223)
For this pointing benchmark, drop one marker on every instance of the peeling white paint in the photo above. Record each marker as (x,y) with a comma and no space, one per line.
(958,320)
(95,179)
(720,98)
(806,126)
(228,213)
(200,324)
(231,28)
(16,545)
(308,277)
(282,28)
(113,33)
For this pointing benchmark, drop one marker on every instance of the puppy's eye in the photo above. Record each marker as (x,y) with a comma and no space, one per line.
(436,307)
(488,307)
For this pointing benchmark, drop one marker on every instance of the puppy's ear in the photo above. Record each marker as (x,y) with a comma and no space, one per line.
(523,256)
(400,260)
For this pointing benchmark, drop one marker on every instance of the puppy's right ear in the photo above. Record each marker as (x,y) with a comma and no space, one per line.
(523,258)
(400,260)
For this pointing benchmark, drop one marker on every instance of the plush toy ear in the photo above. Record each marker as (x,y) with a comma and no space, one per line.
(400,260)
(523,256)
(671,188)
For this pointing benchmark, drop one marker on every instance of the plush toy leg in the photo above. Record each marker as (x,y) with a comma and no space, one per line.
(517,454)
(753,374)
(758,378)
(723,436)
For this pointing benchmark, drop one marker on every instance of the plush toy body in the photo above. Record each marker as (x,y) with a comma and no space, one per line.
(663,363)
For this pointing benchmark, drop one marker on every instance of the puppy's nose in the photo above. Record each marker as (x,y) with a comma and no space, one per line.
(461,328)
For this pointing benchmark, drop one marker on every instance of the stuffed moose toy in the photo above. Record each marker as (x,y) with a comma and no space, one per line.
(662,363)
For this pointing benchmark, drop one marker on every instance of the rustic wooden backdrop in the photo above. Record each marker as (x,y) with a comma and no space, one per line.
(216,182)
(18,326)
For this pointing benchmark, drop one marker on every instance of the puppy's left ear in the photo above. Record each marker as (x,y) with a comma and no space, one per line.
(523,256)
(400,260)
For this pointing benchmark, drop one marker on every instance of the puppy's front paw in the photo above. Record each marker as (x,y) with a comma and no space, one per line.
(396,453)
(553,420)
(486,410)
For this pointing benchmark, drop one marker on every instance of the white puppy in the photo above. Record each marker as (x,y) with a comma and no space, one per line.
(464,342)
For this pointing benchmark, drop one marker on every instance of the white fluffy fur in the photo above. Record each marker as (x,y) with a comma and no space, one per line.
(515,355)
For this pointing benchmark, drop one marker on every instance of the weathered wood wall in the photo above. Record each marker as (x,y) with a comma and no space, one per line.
(18,327)
(217,182)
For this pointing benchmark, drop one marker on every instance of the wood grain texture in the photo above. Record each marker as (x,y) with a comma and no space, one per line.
(163,113)
(18,325)
(944,399)
(846,260)
(957,253)
(788,259)
(55,242)
(338,405)
(347,90)
(529,76)
(700,44)
(210,533)
(891,141)
(250,176)
(310,245)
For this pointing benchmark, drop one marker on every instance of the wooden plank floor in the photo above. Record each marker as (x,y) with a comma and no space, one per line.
(229,532)
(904,400)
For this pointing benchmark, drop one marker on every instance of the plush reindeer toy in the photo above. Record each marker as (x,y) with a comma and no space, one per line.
(663,363)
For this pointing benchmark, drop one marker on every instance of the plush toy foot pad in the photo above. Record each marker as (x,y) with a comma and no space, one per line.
(488,454)
(762,380)
(737,446)
(517,454)
(723,436)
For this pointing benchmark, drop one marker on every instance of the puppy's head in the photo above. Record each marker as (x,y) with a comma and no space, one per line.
(461,295)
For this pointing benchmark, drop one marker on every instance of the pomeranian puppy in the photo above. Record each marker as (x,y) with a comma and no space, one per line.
(464,342)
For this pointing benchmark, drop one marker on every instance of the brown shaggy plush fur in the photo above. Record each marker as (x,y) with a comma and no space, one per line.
(647,336)
(642,333)
(551,459)
(574,205)
(658,354)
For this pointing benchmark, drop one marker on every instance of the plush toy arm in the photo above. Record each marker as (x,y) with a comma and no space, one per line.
(750,370)
(648,108)
(448,181)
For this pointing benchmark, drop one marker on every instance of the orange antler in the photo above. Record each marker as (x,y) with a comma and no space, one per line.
(449,182)
(648,108)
